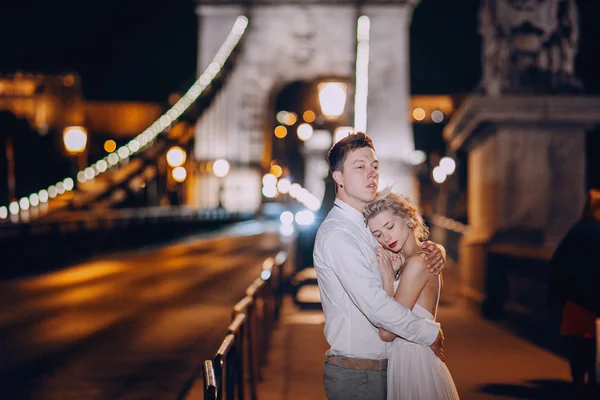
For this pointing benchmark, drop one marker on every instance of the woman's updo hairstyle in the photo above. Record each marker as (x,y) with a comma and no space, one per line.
(398,205)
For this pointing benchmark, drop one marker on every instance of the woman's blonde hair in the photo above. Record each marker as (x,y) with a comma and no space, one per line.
(400,206)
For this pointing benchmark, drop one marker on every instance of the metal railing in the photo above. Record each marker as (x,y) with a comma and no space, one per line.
(236,368)
(77,235)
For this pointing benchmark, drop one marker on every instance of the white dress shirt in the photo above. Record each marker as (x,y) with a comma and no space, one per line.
(352,297)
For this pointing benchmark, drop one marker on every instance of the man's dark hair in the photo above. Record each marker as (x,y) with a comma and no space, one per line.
(338,152)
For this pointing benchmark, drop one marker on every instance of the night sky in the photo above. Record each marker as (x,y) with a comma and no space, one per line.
(146,49)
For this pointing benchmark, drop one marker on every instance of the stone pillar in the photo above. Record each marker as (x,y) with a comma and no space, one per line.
(388,122)
(524,132)
(526,162)
(315,162)
(216,134)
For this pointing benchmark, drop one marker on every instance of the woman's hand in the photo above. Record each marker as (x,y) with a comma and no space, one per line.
(384,261)
(397,261)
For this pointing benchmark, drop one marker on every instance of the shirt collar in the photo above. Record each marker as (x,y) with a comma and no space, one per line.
(352,213)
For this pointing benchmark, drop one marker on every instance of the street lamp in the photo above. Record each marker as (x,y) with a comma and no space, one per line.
(332,99)
(176,157)
(220,169)
(75,141)
(305,131)
(179,174)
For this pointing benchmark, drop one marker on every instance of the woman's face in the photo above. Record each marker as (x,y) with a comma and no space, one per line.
(390,230)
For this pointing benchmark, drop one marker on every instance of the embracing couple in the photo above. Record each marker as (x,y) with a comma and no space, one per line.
(380,284)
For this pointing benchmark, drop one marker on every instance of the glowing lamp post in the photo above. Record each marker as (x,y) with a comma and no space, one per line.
(176,157)
(221,169)
(75,141)
(179,174)
(332,99)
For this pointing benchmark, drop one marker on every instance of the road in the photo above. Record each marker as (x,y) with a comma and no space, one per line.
(132,325)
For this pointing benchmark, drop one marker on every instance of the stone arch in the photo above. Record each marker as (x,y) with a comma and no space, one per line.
(284,43)
(289,41)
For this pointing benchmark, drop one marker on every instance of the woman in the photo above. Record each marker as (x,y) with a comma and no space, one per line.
(414,371)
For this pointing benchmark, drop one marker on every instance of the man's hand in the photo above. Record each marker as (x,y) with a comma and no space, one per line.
(435,259)
(438,346)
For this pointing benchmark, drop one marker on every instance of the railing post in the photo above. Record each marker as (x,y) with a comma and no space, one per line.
(210,381)
(280,260)
(250,337)
(229,383)
(220,377)
(236,368)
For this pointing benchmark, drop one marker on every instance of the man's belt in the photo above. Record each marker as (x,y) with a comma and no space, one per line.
(358,363)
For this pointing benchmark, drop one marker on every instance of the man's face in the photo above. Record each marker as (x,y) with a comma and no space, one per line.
(360,175)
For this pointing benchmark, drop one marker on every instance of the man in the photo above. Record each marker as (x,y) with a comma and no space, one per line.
(353,300)
(574,275)
(574,287)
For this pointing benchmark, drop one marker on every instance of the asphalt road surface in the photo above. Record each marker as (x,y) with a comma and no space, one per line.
(132,325)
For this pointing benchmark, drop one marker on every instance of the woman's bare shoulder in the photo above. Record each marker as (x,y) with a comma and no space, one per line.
(415,267)
(414,264)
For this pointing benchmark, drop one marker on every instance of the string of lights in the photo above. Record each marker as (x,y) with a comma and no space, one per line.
(144,139)
(362,73)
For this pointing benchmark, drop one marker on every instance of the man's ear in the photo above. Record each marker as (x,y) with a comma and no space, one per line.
(337,177)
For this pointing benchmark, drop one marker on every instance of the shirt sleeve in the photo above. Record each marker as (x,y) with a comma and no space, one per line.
(342,253)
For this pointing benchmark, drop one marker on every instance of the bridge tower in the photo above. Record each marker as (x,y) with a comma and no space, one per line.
(300,40)
(524,135)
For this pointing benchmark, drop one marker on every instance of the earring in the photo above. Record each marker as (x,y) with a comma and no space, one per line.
(341,185)
(409,224)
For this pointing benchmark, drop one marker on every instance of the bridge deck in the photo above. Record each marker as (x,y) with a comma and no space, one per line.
(487,361)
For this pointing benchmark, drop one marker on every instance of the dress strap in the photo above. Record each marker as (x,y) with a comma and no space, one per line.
(437,303)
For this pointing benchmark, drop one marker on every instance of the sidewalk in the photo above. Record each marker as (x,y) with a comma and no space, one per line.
(486,361)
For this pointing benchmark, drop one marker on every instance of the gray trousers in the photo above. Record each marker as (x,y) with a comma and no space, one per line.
(349,384)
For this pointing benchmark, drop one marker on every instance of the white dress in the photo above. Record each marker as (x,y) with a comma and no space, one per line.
(414,371)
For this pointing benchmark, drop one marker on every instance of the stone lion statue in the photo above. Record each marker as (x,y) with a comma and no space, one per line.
(529,46)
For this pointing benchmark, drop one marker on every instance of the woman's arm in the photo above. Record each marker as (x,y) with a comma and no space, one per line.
(386,270)
(414,279)
(387,282)
(386,336)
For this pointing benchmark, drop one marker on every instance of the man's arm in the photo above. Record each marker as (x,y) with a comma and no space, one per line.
(353,269)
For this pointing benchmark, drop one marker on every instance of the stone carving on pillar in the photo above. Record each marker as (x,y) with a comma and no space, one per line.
(529,46)
(302,32)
